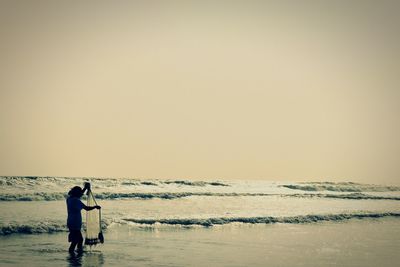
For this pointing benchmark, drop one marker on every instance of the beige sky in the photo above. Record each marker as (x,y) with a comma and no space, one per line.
(280,90)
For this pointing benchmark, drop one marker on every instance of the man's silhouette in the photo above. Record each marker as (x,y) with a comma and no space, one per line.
(74,221)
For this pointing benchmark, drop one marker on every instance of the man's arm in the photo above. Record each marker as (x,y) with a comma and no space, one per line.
(87,208)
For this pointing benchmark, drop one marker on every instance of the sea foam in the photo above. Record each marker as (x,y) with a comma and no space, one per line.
(341,187)
(54,227)
(45,196)
(207,222)
(33,228)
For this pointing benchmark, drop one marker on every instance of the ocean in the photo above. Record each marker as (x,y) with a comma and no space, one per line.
(180,222)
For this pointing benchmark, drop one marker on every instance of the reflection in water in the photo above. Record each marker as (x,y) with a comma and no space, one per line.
(86,259)
(74,260)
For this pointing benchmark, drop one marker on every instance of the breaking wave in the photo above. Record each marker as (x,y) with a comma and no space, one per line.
(177,182)
(353,196)
(208,222)
(195,183)
(55,227)
(342,187)
(41,227)
(115,196)
(359,196)
(38,228)
(42,196)
(107,182)
(33,197)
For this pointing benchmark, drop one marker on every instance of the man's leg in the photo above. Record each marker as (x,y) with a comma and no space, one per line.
(80,247)
(72,247)
(80,242)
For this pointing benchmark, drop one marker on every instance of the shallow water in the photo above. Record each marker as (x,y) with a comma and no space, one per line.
(204,223)
(352,243)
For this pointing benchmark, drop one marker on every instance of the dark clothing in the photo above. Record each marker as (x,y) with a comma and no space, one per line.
(74,207)
(75,236)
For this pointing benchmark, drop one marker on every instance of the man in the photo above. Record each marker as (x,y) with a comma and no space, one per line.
(74,221)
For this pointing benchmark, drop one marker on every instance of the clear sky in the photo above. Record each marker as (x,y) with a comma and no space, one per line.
(277,90)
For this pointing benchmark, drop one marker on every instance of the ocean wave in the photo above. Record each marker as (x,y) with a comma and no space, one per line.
(341,187)
(313,218)
(108,182)
(360,196)
(352,196)
(43,196)
(195,183)
(38,228)
(41,227)
(56,227)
